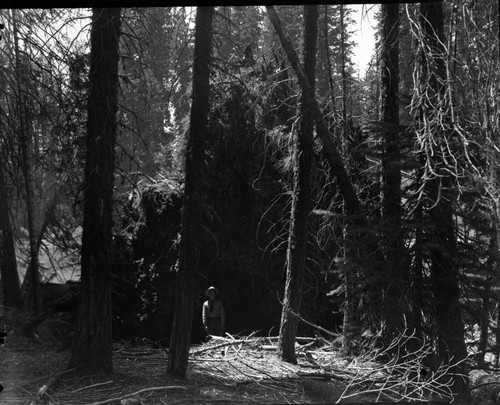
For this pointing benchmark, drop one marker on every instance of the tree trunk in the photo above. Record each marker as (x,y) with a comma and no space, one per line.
(33,298)
(337,171)
(337,168)
(93,341)
(445,278)
(394,279)
(193,197)
(497,298)
(301,201)
(344,141)
(417,291)
(484,323)
(444,270)
(329,62)
(9,277)
(352,327)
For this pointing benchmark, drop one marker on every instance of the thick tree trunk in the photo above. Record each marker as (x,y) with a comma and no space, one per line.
(444,270)
(33,298)
(193,196)
(9,277)
(93,341)
(301,202)
(394,278)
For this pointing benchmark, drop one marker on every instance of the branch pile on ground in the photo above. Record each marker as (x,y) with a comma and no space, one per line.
(239,370)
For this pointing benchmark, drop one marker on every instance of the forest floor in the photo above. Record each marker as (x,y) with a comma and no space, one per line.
(222,371)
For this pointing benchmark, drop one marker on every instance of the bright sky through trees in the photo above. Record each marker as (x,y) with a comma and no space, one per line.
(364,35)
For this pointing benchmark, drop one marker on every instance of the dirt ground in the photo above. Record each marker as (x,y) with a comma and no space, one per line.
(223,371)
(230,371)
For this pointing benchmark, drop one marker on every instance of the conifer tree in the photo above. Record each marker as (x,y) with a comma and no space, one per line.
(92,344)
(194,166)
(301,201)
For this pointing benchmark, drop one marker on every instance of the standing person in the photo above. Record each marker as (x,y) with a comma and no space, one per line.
(213,313)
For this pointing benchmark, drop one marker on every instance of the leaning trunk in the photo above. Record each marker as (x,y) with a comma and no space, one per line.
(301,202)
(337,168)
(338,172)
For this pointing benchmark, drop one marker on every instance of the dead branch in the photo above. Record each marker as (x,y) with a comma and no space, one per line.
(92,386)
(399,379)
(335,335)
(225,344)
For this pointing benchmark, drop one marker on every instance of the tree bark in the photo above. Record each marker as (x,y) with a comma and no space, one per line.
(444,270)
(9,277)
(92,345)
(193,197)
(301,201)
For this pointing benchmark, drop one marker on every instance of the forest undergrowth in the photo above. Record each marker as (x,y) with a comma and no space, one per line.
(227,370)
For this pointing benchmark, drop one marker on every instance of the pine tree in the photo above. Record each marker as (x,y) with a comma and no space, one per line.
(301,201)
(193,197)
(395,271)
(92,344)
(440,182)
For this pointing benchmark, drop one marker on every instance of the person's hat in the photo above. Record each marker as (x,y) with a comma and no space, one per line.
(210,289)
